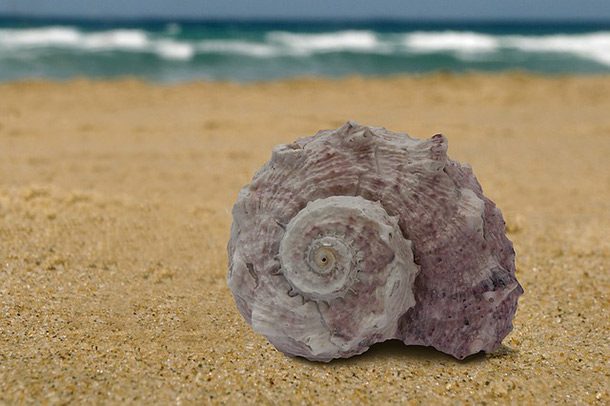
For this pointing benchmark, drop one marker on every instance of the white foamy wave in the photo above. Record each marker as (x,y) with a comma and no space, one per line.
(464,42)
(116,40)
(47,36)
(280,43)
(595,46)
(237,47)
(331,42)
(72,38)
(170,49)
(131,40)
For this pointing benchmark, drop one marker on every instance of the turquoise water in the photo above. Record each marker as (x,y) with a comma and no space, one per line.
(169,51)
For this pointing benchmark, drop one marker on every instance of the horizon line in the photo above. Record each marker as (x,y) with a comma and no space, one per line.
(310,19)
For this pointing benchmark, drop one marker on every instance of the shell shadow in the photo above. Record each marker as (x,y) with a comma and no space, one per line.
(396,350)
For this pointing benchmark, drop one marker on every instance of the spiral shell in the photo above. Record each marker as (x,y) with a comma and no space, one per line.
(359,235)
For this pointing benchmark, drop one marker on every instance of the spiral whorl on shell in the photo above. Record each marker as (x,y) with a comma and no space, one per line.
(359,235)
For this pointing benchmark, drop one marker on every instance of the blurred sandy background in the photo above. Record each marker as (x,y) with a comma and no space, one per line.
(115,202)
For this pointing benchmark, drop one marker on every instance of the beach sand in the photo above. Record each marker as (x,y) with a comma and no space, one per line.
(115,202)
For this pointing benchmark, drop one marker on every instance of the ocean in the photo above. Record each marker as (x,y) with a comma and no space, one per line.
(173,51)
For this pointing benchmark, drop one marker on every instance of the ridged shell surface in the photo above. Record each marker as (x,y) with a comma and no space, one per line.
(359,235)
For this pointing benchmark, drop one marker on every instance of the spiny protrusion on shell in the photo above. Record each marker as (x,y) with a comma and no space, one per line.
(359,235)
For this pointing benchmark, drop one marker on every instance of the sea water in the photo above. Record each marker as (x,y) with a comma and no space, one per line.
(170,51)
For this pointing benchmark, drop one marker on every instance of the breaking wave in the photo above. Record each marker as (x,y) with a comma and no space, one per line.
(451,41)
(354,41)
(594,46)
(126,40)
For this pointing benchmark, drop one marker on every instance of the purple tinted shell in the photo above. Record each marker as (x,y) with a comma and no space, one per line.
(359,235)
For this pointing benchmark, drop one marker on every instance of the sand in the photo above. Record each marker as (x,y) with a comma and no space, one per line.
(115,202)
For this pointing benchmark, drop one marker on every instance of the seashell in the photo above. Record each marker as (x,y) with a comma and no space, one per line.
(359,235)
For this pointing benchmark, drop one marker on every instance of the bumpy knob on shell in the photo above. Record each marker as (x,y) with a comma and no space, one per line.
(359,235)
